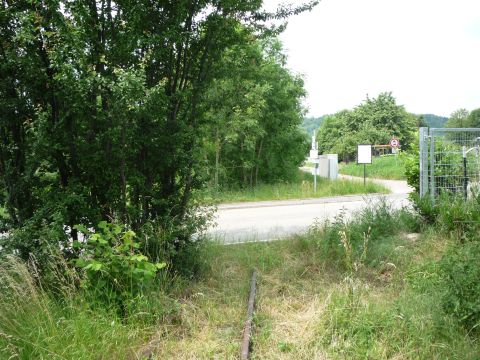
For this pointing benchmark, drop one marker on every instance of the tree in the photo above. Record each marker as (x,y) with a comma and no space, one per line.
(473,119)
(375,121)
(102,107)
(254,114)
(458,119)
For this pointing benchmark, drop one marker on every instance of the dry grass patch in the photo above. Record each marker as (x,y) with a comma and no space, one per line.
(308,308)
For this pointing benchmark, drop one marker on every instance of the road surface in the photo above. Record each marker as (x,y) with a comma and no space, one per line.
(270,220)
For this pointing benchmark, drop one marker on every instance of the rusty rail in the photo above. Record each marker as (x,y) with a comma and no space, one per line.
(247,330)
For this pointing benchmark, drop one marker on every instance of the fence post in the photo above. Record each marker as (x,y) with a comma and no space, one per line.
(423,161)
(432,164)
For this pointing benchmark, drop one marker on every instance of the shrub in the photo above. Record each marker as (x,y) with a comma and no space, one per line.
(451,213)
(461,269)
(116,272)
(411,161)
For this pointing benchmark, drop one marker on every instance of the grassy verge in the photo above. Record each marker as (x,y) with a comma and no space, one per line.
(34,325)
(369,288)
(383,167)
(380,300)
(302,188)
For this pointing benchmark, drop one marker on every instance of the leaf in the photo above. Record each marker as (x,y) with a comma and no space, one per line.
(95,266)
(81,228)
(103,225)
(160,266)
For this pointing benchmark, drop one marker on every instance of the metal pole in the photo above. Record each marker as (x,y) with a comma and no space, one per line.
(364,175)
(432,164)
(465,178)
(423,161)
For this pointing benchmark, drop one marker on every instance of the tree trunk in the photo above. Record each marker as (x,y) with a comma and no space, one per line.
(258,161)
(122,175)
(218,146)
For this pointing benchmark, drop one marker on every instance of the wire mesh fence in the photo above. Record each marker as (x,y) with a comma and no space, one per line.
(449,161)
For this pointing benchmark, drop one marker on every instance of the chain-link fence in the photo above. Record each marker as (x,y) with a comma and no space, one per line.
(449,161)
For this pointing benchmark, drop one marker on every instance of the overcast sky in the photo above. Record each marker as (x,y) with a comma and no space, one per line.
(426,52)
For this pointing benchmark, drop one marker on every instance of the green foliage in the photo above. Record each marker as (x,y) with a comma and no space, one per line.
(300,187)
(473,120)
(104,107)
(116,272)
(254,113)
(458,119)
(361,323)
(375,121)
(460,219)
(461,271)
(345,242)
(36,323)
(462,118)
(411,163)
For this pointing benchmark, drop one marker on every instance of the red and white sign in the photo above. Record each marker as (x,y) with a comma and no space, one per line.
(394,143)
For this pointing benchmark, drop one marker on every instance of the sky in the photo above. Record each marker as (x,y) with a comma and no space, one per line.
(426,52)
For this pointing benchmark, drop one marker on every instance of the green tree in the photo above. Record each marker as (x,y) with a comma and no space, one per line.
(102,109)
(375,121)
(254,114)
(458,119)
(473,119)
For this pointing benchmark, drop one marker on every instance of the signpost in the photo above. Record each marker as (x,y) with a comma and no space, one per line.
(314,158)
(364,156)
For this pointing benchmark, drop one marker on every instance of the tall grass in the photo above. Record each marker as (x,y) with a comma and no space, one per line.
(382,167)
(302,188)
(387,304)
(356,288)
(36,323)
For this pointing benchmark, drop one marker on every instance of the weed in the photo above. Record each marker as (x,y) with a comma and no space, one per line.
(116,272)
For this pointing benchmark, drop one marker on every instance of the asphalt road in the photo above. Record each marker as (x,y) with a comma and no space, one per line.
(270,220)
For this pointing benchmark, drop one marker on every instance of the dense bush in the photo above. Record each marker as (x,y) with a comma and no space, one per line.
(60,323)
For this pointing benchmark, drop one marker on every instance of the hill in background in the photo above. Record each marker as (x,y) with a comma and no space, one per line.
(310,124)
(435,121)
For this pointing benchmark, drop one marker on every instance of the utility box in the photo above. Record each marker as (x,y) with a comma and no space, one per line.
(327,166)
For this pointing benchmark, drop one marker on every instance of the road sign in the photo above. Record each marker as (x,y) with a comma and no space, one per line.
(394,143)
(364,154)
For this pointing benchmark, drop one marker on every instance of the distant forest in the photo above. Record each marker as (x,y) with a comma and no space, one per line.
(310,124)
(434,121)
